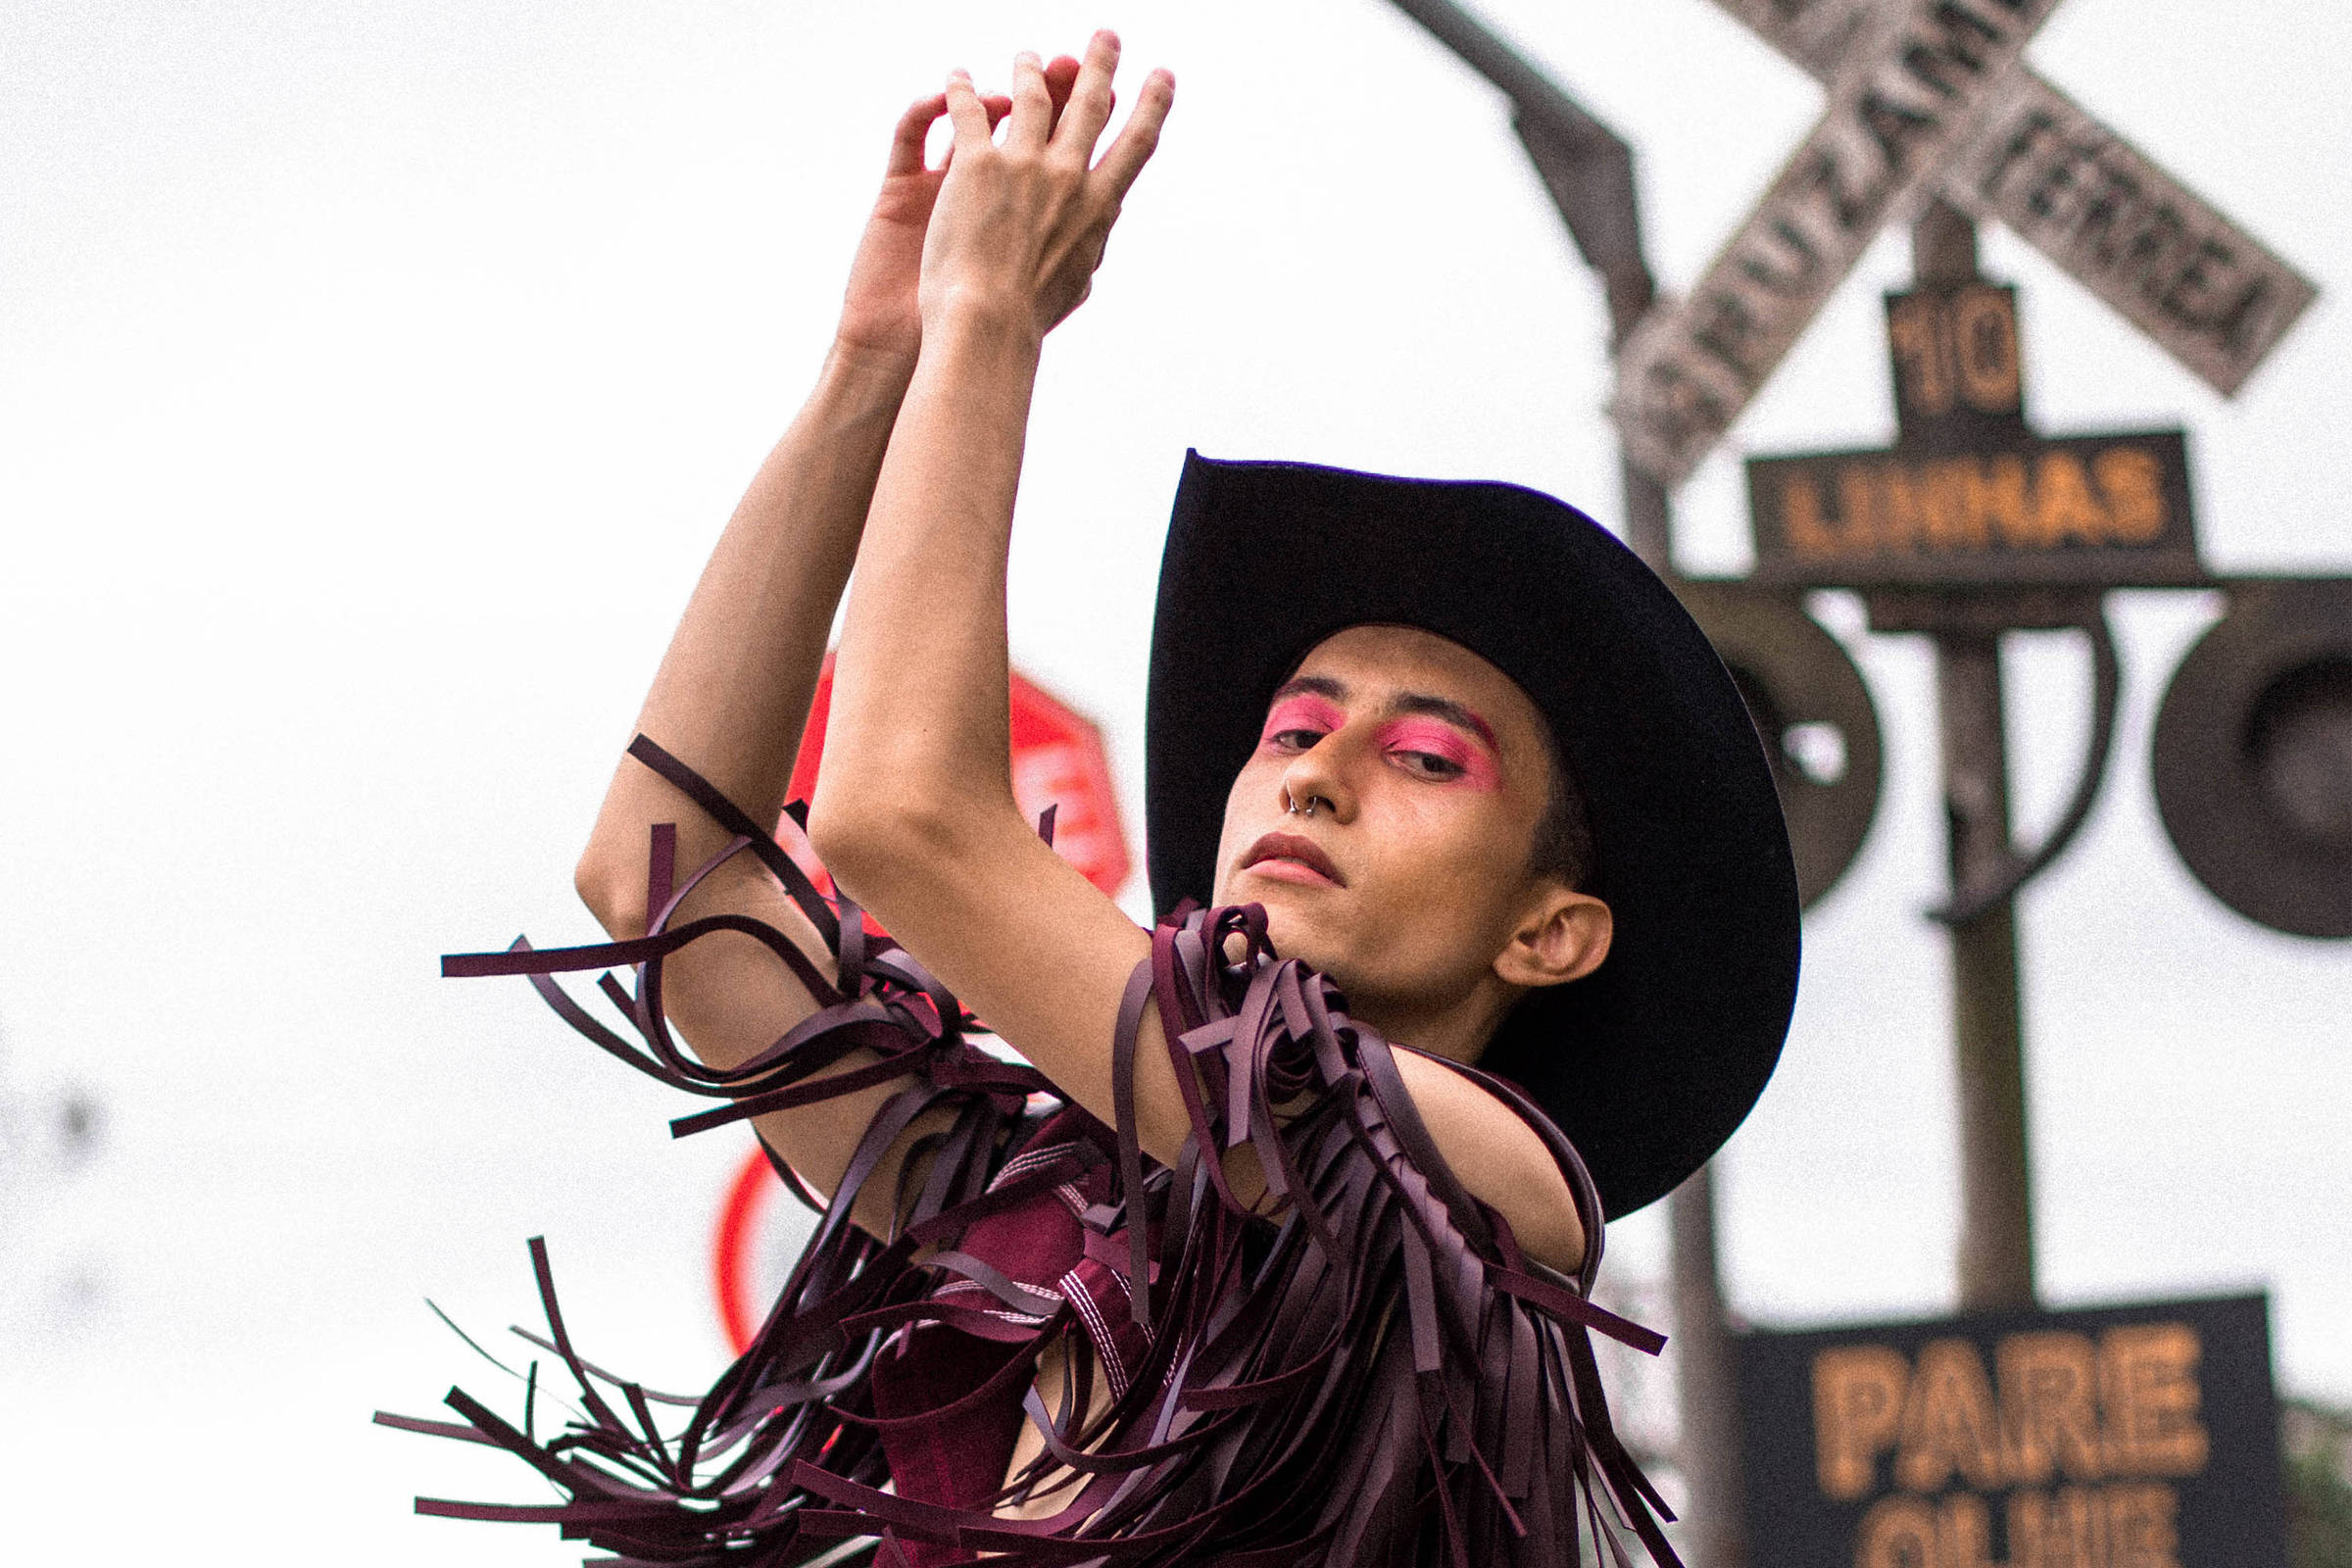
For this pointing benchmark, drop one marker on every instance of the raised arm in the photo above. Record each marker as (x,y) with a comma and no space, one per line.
(915,813)
(733,691)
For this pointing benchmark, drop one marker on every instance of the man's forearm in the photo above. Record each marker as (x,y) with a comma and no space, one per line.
(919,725)
(733,690)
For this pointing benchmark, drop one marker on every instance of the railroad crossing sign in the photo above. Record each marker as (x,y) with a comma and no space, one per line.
(1927,98)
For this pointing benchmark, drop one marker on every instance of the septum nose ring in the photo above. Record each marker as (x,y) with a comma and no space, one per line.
(1292,808)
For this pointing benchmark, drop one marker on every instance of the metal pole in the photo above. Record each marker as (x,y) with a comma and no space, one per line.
(1705,1382)
(1705,1391)
(1995,1265)
(1587,170)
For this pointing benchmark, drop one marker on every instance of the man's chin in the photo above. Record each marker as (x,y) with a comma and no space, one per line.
(1301,924)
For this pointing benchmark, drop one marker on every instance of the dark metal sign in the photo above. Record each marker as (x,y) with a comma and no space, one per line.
(2130,1437)
(1969,494)
(1959,383)
(2109,511)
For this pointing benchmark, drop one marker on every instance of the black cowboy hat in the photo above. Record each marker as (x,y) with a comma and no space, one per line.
(1652,1062)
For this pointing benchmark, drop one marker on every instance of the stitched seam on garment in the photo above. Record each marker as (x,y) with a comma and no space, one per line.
(1106,1351)
(1005,1313)
(1021,1164)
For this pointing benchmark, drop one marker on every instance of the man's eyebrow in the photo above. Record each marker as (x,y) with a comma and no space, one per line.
(1446,709)
(1318,685)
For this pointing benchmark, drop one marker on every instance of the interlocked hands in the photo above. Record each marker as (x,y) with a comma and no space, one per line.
(1020,228)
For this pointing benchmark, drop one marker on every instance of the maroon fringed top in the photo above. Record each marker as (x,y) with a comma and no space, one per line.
(1363,1373)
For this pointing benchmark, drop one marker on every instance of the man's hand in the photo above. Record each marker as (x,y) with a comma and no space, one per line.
(1018,229)
(878,315)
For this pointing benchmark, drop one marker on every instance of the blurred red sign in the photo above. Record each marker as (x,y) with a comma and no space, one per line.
(1057,760)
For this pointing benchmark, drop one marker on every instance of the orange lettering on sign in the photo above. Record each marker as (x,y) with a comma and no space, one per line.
(2050,1406)
(1858,502)
(2064,507)
(2126,1404)
(1897,505)
(2132,481)
(1948,1421)
(1997,500)
(2132,1526)
(1985,343)
(2149,1383)
(1926,505)
(1964,1533)
(1912,333)
(2143,1528)
(2064,1531)
(1898,1533)
(1857,1411)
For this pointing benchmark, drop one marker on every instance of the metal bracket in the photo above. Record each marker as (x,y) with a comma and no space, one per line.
(2016,870)
(1587,168)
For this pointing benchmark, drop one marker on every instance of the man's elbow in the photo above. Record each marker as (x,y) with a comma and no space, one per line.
(872,842)
(613,891)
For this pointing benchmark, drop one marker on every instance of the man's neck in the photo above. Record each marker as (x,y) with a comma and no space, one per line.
(1457,1031)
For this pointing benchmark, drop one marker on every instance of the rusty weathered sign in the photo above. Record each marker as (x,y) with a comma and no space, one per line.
(1969,493)
(2137,1436)
(2213,295)
(2111,511)
(2209,294)
(1905,98)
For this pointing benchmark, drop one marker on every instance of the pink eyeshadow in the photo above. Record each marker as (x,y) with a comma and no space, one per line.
(1303,711)
(1480,769)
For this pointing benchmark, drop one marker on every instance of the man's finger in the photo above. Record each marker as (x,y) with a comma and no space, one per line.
(1089,111)
(1062,73)
(965,109)
(914,126)
(1032,103)
(998,106)
(1140,134)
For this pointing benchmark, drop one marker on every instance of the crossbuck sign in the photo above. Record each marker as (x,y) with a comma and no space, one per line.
(1927,98)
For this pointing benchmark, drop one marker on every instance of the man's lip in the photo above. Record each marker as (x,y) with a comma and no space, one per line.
(1293,847)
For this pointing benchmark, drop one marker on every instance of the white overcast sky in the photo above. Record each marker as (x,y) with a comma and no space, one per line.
(373,378)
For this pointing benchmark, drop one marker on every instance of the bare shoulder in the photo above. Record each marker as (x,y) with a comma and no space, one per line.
(1500,1158)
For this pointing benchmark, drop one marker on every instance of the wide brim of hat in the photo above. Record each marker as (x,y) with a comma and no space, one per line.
(1651,1063)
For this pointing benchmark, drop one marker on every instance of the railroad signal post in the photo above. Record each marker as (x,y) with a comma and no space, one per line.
(1971,525)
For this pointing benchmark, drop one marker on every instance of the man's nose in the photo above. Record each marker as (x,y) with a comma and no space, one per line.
(1323,773)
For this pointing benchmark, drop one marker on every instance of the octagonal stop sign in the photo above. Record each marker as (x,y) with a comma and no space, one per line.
(1058,761)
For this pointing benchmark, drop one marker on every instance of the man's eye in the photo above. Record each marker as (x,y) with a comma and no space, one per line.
(1296,740)
(1429,764)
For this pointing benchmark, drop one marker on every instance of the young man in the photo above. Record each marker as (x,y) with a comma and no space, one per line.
(1220,1277)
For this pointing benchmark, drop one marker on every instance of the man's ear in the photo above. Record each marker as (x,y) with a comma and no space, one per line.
(1564,937)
